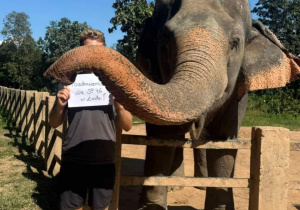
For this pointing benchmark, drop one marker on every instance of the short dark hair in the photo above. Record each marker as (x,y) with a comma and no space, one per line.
(93,35)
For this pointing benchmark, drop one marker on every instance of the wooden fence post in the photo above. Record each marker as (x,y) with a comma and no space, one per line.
(269,167)
(30,115)
(39,131)
(53,142)
(8,98)
(49,132)
(13,104)
(2,98)
(18,106)
(22,122)
(118,159)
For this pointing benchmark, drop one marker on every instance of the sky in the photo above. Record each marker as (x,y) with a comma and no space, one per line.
(97,14)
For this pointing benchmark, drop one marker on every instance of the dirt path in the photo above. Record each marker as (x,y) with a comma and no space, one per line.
(190,198)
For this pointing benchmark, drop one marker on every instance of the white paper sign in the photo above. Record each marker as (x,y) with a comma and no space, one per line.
(87,90)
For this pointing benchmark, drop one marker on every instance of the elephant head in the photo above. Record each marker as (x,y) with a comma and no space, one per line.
(194,55)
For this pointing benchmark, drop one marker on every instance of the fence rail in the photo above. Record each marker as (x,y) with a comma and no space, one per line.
(270,150)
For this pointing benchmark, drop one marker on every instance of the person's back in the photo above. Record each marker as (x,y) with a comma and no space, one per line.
(88,150)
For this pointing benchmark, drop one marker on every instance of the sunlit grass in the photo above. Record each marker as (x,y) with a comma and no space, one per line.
(22,185)
(259,118)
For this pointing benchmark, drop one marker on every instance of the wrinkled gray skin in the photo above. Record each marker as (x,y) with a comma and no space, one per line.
(157,54)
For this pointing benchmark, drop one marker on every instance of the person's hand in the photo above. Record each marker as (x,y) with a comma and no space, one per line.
(63,96)
(116,104)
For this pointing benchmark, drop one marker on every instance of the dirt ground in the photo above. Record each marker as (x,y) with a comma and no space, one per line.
(190,198)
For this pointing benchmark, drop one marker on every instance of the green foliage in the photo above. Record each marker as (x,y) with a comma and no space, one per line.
(16,27)
(60,37)
(131,16)
(277,101)
(282,17)
(19,54)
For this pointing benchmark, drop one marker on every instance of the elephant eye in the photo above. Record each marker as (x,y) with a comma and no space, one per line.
(234,43)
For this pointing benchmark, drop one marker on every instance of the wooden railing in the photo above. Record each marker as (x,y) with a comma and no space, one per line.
(270,150)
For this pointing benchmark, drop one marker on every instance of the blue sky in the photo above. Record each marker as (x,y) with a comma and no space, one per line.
(97,13)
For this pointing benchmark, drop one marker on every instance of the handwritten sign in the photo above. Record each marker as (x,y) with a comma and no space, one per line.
(87,90)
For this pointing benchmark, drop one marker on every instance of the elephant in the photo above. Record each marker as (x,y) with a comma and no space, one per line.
(196,62)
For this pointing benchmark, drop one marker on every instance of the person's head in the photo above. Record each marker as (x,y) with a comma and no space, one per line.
(92,37)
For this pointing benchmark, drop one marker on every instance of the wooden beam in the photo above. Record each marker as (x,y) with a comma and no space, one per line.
(294,185)
(270,157)
(295,146)
(185,181)
(186,143)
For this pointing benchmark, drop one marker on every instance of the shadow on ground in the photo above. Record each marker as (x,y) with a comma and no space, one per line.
(181,208)
(44,194)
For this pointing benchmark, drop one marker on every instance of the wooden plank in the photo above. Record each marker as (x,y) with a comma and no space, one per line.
(8,98)
(186,143)
(295,146)
(185,181)
(22,122)
(118,160)
(18,106)
(55,141)
(12,101)
(57,159)
(38,116)
(294,185)
(30,100)
(59,133)
(43,102)
(48,132)
(270,155)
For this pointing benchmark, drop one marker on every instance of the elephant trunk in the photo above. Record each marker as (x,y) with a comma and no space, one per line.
(199,81)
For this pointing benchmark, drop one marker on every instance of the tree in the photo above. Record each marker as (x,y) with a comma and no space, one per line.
(7,57)
(20,55)
(131,16)
(283,19)
(60,37)
(16,26)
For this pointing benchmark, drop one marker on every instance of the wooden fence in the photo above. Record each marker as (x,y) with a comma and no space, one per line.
(269,165)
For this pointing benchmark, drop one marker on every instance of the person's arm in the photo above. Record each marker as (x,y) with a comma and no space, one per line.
(57,114)
(124,117)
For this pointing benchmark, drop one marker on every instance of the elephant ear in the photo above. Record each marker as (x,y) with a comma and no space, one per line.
(267,63)
(146,50)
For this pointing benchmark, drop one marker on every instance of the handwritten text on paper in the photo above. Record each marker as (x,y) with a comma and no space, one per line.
(87,90)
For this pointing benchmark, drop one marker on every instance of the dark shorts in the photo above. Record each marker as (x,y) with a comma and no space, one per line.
(76,181)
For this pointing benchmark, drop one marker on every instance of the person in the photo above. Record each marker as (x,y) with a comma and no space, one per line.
(87,168)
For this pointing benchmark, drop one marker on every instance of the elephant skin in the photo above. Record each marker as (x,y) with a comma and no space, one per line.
(196,62)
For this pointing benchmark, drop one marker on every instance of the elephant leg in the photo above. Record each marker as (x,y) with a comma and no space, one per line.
(200,164)
(220,164)
(177,168)
(200,167)
(158,163)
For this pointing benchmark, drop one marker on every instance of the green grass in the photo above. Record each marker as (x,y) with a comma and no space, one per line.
(22,183)
(259,118)
(136,120)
